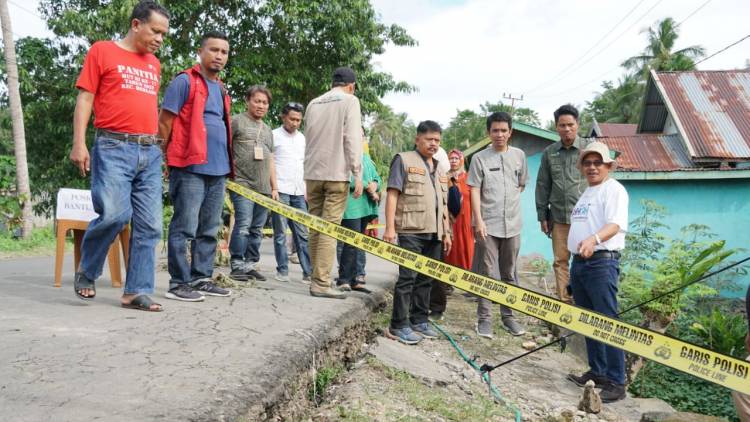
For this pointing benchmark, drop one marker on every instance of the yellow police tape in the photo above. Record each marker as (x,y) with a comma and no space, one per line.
(715,367)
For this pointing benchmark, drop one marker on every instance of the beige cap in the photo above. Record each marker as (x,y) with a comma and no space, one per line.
(599,148)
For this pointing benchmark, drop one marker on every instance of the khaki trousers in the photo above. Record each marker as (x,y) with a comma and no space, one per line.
(561,265)
(327,200)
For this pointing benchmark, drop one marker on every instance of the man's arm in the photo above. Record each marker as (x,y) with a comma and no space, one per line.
(390,215)
(480,229)
(542,194)
(586,246)
(353,144)
(166,119)
(79,155)
(274,185)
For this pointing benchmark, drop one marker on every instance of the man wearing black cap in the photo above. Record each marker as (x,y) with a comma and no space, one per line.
(333,155)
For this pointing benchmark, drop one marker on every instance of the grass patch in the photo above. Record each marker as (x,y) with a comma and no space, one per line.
(324,377)
(437,401)
(41,242)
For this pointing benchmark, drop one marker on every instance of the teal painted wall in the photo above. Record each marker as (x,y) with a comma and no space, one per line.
(723,205)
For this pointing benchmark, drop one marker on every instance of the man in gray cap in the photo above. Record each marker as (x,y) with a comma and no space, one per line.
(333,155)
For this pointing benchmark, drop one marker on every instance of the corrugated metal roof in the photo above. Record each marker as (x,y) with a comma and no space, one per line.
(711,110)
(646,152)
(617,129)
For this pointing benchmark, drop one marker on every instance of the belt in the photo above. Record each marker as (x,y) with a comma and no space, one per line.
(129,137)
(598,255)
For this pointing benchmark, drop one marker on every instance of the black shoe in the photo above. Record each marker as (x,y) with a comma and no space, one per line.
(184,293)
(239,275)
(210,289)
(581,381)
(255,275)
(612,392)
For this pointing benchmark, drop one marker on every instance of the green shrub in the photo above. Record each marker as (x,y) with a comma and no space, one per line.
(683,392)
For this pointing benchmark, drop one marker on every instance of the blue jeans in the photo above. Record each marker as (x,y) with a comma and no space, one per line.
(198,200)
(594,286)
(352,260)
(299,236)
(125,188)
(244,245)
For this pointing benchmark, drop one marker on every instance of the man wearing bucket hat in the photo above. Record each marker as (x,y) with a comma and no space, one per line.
(597,235)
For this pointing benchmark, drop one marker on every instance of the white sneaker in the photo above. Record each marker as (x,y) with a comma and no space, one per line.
(282,277)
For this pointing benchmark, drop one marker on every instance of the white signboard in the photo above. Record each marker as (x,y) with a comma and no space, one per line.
(75,204)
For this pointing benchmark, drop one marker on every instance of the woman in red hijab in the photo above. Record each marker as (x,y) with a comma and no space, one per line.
(462,251)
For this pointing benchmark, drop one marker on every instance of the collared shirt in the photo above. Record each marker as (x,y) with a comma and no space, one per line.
(252,170)
(501,177)
(289,156)
(333,128)
(397,175)
(559,183)
(605,203)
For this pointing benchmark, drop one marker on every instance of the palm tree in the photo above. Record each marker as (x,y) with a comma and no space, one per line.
(16,113)
(658,55)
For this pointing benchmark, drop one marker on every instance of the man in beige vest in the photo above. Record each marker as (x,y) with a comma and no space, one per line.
(333,127)
(416,209)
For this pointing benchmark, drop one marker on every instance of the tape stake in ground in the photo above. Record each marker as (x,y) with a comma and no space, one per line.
(715,367)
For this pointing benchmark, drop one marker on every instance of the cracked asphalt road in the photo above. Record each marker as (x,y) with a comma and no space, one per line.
(64,359)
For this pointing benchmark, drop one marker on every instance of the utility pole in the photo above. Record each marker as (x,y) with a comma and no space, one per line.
(513,100)
(16,116)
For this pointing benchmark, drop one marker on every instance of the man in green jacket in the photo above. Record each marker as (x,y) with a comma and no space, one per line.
(358,214)
(559,184)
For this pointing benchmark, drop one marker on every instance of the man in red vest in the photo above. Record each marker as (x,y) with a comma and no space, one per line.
(194,120)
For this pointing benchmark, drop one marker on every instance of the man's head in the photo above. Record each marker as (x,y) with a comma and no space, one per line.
(566,123)
(428,138)
(291,116)
(345,78)
(213,52)
(499,128)
(595,162)
(149,22)
(258,98)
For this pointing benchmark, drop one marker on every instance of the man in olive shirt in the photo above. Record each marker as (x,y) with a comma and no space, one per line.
(559,184)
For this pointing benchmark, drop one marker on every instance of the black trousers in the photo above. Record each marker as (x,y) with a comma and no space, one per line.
(411,296)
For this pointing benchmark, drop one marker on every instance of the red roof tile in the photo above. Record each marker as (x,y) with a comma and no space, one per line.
(618,129)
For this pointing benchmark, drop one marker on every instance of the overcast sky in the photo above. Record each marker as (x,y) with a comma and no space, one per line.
(552,52)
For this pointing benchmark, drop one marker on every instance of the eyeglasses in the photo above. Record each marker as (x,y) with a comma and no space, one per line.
(294,106)
(595,163)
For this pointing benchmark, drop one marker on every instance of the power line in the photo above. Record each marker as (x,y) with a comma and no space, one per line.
(693,12)
(573,63)
(619,36)
(723,49)
(29,11)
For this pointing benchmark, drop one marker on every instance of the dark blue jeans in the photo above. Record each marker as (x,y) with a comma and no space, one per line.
(594,285)
(244,245)
(198,200)
(352,260)
(411,296)
(299,236)
(125,188)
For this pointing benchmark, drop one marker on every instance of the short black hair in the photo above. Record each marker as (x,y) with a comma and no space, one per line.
(213,34)
(142,11)
(499,116)
(428,126)
(566,109)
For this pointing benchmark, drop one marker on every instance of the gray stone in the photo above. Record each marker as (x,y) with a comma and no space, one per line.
(412,360)
(590,401)
(679,417)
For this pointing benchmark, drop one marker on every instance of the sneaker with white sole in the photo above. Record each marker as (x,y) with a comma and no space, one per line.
(210,289)
(484,329)
(405,335)
(425,330)
(282,277)
(184,293)
(306,280)
(513,327)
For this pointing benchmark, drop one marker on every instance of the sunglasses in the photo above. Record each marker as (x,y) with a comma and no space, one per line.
(294,106)
(595,163)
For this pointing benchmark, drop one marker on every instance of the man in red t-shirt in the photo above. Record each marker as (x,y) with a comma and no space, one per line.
(120,82)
